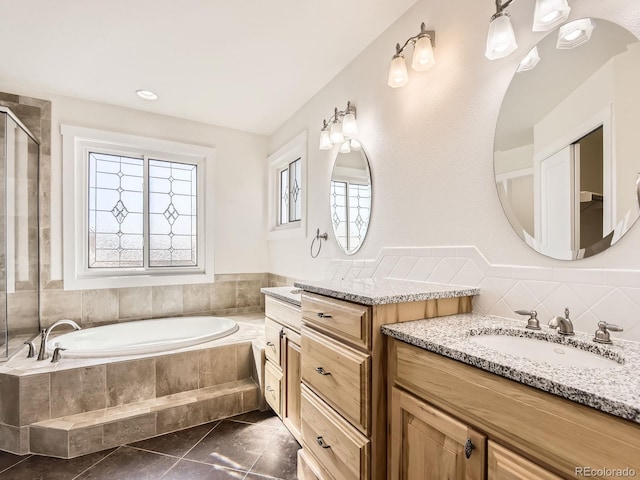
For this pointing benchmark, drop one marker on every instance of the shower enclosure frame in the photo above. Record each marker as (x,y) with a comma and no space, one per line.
(9,348)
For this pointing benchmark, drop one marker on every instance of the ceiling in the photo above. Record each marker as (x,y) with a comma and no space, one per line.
(243,64)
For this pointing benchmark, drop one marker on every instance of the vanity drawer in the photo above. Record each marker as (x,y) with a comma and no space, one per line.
(348,321)
(273,387)
(337,446)
(339,374)
(283,312)
(272,338)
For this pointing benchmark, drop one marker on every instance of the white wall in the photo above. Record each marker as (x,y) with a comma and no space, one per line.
(430,143)
(240,172)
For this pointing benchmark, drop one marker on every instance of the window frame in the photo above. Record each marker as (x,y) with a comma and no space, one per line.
(77,142)
(278,161)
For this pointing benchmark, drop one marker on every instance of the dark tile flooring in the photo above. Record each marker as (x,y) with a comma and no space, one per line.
(252,446)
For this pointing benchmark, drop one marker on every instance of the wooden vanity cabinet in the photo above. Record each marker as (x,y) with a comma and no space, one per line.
(530,434)
(344,401)
(282,369)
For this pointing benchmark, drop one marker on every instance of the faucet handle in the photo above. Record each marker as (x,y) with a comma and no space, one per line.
(32,349)
(566,313)
(56,354)
(533,323)
(602,334)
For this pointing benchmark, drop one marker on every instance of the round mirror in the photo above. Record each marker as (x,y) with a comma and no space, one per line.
(567,146)
(350,196)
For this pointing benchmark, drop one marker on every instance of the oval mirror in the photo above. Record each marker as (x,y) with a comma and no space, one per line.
(350,196)
(567,145)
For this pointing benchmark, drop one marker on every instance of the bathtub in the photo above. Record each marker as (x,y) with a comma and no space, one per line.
(143,336)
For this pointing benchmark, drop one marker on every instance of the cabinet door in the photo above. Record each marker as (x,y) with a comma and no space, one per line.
(427,444)
(292,378)
(506,465)
(273,340)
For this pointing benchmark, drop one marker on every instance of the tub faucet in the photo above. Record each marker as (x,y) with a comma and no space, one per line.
(564,325)
(42,354)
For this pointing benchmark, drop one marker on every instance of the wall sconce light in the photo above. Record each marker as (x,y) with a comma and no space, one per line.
(423,57)
(530,61)
(340,126)
(574,33)
(501,40)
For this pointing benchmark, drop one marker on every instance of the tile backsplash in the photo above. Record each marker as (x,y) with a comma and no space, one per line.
(591,294)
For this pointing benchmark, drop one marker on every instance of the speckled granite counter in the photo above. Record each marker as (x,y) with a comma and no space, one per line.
(286,294)
(381,291)
(614,390)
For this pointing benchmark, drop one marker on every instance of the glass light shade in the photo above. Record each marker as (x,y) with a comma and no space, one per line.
(423,58)
(349,125)
(398,76)
(355,144)
(325,141)
(574,33)
(501,40)
(345,147)
(530,61)
(548,14)
(336,135)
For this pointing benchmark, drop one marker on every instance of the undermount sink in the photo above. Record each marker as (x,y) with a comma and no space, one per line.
(543,351)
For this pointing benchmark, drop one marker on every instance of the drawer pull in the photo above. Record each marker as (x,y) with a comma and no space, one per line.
(468,448)
(322,443)
(322,371)
(323,315)
(270,389)
(271,344)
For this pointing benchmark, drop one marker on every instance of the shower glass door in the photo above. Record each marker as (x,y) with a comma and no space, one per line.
(19,303)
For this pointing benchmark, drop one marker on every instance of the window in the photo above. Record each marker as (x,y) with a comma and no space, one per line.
(350,212)
(290,204)
(135,211)
(287,190)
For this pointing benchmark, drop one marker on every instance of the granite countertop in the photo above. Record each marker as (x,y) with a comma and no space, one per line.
(614,390)
(291,295)
(380,291)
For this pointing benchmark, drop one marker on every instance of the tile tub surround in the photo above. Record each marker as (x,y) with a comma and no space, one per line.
(591,294)
(614,390)
(382,291)
(82,403)
(289,294)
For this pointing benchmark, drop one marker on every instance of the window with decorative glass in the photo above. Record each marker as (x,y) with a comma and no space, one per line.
(135,210)
(290,198)
(143,212)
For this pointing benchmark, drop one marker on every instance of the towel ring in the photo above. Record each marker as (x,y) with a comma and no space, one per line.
(319,238)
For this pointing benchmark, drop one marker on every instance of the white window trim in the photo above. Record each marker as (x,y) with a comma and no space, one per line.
(77,275)
(294,149)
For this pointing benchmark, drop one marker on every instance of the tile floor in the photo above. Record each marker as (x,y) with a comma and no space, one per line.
(252,446)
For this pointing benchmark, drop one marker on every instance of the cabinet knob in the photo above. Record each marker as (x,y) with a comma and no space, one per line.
(468,448)
(322,443)
(322,371)
(323,315)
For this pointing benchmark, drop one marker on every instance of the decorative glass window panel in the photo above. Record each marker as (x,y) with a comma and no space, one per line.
(116,215)
(173,218)
(339,212)
(290,188)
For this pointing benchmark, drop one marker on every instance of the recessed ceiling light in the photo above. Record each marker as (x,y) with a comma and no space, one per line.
(147,94)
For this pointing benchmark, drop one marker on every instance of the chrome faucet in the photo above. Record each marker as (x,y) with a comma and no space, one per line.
(564,325)
(42,354)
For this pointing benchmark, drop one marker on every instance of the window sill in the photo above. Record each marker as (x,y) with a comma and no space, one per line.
(291,230)
(143,280)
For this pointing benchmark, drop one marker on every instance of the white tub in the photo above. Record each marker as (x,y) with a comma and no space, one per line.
(144,336)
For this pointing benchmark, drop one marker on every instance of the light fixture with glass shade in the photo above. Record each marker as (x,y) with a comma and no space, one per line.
(340,128)
(501,39)
(574,33)
(423,57)
(530,61)
(548,14)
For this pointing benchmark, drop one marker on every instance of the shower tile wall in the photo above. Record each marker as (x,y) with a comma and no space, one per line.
(232,293)
(591,294)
